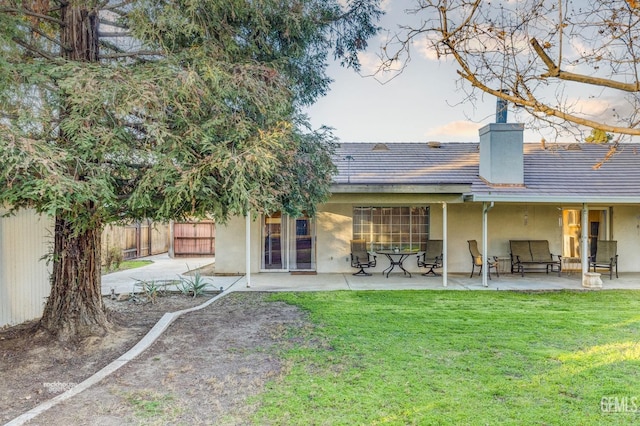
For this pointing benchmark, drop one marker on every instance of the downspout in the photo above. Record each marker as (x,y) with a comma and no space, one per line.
(247,266)
(584,256)
(444,244)
(485,269)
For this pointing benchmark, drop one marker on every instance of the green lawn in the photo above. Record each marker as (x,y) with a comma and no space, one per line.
(129,264)
(461,357)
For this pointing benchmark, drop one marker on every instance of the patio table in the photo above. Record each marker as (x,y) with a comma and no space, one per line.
(395,259)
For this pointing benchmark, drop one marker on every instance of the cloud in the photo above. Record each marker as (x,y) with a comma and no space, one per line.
(593,107)
(455,130)
(425,47)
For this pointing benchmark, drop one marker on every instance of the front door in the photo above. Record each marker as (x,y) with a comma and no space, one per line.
(289,244)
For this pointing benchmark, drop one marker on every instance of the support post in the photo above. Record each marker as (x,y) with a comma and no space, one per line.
(444,245)
(584,240)
(484,245)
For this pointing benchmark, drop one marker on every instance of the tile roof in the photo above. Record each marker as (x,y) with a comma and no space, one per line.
(564,172)
(407,163)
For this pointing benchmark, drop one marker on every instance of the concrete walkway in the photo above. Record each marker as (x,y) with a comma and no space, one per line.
(165,268)
(162,269)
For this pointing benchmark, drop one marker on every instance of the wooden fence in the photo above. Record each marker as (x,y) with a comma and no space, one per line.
(135,240)
(194,238)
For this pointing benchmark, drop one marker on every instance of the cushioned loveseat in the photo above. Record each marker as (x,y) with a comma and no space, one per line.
(533,255)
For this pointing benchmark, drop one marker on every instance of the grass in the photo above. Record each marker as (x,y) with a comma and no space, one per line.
(149,405)
(456,357)
(130,264)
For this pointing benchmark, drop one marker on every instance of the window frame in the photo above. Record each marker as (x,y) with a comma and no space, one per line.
(389,227)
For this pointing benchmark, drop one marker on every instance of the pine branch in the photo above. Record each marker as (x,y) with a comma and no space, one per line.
(45,35)
(130,54)
(33,49)
(30,13)
(105,5)
(112,23)
(110,34)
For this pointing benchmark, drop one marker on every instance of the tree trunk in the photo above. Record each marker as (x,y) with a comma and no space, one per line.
(74,308)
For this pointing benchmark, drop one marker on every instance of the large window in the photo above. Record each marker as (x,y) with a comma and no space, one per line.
(391,227)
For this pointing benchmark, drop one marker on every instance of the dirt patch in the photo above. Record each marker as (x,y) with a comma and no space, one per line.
(202,370)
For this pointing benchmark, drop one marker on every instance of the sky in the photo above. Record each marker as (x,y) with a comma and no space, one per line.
(423,103)
(420,104)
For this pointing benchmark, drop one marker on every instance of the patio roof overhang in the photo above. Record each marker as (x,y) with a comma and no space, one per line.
(396,194)
(556,199)
(376,188)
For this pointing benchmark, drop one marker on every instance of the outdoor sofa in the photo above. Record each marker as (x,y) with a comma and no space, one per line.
(533,255)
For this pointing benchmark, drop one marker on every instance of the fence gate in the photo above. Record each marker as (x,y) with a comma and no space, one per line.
(137,240)
(194,238)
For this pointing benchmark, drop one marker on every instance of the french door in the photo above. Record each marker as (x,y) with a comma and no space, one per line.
(289,243)
(598,229)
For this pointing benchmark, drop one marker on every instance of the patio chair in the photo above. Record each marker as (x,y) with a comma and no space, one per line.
(432,257)
(476,260)
(606,257)
(361,258)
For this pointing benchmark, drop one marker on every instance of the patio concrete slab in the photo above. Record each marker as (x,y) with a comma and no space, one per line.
(166,268)
(456,281)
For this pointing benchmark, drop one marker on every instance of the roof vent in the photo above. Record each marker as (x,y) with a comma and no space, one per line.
(574,147)
(380,147)
(434,144)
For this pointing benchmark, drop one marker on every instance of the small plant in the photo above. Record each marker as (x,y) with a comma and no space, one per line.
(151,290)
(113,259)
(193,286)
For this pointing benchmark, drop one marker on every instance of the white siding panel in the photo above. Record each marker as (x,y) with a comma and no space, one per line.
(24,277)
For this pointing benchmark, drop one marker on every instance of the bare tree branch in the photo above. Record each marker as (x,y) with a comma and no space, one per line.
(504,49)
(555,71)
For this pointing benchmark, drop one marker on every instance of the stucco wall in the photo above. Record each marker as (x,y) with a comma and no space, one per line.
(24,277)
(626,230)
(230,246)
(334,227)
(505,222)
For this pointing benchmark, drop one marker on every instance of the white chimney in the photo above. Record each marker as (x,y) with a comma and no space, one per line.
(501,153)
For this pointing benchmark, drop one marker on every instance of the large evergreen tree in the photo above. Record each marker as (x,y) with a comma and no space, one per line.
(116,110)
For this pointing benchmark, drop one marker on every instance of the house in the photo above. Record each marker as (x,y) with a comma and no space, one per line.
(500,189)
(25,238)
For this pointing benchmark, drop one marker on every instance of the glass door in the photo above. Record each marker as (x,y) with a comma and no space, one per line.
(289,244)
(273,255)
(302,255)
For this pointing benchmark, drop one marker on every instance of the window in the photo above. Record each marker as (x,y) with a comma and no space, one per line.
(390,227)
